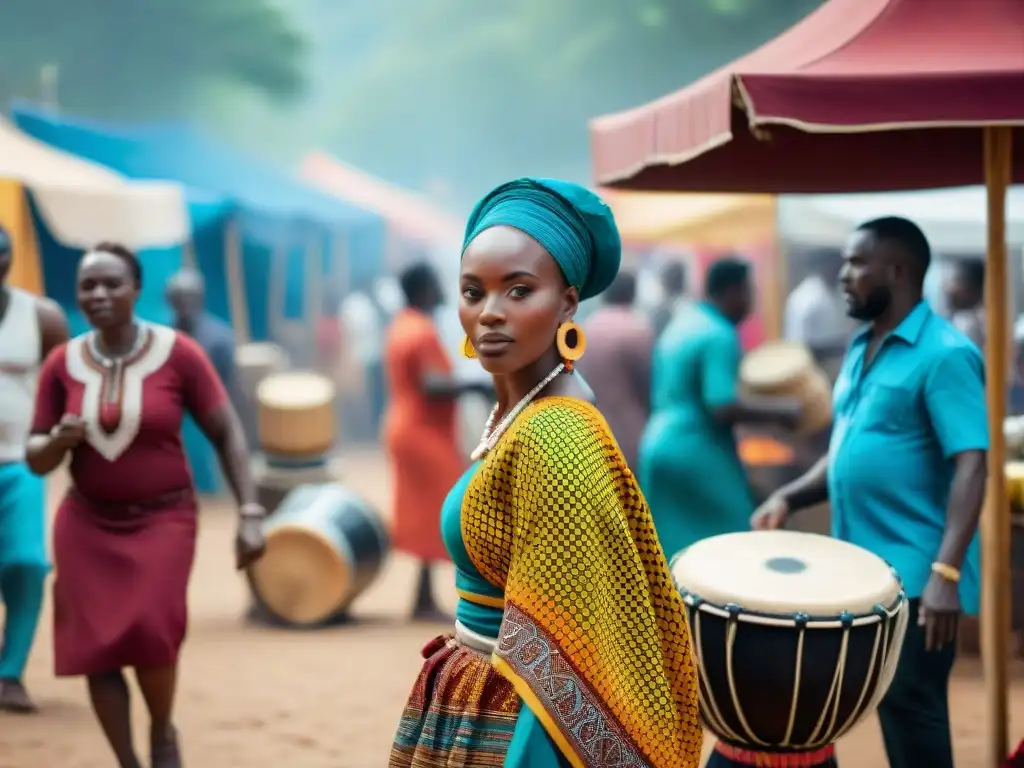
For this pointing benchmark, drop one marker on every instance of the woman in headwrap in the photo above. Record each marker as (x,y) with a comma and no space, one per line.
(571,644)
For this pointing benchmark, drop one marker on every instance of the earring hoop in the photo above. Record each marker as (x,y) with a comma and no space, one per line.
(468,350)
(571,343)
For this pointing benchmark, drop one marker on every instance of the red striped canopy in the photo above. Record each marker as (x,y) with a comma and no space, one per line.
(862,95)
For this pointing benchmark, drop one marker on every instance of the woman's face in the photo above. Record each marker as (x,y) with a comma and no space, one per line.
(106,290)
(513,297)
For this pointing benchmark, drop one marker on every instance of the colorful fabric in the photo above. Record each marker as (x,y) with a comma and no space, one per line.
(461,713)
(594,636)
(572,224)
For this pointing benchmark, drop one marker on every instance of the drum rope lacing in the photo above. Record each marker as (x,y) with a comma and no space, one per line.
(819,738)
(492,434)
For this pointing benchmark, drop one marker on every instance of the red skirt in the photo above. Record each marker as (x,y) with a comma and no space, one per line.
(121,582)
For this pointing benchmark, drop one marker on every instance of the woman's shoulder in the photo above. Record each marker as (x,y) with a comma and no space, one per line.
(567,428)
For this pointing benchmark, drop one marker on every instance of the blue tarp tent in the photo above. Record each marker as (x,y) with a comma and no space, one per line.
(275,213)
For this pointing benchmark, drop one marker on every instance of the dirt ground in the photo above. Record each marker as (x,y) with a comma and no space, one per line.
(327,699)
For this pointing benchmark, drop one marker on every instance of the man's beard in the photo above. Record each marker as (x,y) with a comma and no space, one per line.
(872,307)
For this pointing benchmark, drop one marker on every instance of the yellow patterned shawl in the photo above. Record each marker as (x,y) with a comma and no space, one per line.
(594,635)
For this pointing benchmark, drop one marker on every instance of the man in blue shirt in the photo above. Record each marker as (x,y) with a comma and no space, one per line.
(905,471)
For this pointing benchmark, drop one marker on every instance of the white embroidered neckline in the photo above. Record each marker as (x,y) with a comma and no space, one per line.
(111,445)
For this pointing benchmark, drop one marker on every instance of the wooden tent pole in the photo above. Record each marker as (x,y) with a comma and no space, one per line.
(995,523)
(235,276)
(777,289)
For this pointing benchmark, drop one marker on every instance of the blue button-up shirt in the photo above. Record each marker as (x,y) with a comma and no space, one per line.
(899,423)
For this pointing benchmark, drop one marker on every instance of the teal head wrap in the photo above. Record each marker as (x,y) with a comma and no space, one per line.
(572,224)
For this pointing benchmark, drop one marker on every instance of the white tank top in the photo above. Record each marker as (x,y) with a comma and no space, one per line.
(20,352)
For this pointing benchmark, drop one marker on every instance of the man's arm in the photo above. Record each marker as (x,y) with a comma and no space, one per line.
(955,399)
(808,490)
(53,326)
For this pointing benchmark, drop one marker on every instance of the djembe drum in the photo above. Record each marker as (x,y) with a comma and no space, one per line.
(787,369)
(796,636)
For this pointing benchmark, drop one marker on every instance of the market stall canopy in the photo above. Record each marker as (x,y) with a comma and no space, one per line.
(407,213)
(713,221)
(288,233)
(953,219)
(190,156)
(832,106)
(83,203)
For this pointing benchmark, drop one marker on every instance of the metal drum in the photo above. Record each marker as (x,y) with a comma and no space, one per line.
(787,369)
(325,546)
(796,636)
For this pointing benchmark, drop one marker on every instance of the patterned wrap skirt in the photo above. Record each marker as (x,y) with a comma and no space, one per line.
(461,713)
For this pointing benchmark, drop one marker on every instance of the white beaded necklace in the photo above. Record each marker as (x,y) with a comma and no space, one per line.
(493,434)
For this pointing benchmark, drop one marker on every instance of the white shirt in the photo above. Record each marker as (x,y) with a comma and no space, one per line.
(816,314)
(362,327)
(20,353)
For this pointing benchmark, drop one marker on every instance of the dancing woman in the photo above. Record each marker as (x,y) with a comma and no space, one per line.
(571,644)
(125,534)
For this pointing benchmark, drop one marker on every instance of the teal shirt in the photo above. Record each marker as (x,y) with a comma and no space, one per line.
(689,467)
(530,747)
(899,423)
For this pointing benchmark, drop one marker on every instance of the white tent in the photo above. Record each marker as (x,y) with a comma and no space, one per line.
(84,203)
(953,219)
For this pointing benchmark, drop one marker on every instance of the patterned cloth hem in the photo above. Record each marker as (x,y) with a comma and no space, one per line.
(579,717)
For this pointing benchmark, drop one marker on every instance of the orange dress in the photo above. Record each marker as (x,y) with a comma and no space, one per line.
(420,435)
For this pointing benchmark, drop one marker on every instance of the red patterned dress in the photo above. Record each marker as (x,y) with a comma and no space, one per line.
(124,537)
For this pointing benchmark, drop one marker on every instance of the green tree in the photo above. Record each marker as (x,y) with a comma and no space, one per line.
(475,92)
(147,59)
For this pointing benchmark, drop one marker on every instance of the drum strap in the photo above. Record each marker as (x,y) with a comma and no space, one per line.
(776,759)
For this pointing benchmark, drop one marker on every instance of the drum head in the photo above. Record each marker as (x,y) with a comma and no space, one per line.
(774,364)
(259,353)
(785,572)
(295,390)
(301,578)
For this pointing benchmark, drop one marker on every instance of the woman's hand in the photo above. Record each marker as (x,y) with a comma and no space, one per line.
(249,542)
(69,433)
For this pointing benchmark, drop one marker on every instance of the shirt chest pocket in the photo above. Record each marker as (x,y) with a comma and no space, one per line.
(887,406)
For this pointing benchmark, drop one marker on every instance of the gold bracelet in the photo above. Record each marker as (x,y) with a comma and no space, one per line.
(948,572)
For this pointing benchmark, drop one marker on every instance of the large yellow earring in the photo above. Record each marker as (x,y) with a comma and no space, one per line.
(571,343)
(468,350)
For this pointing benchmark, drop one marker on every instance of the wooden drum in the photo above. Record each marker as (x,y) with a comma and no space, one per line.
(787,369)
(325,546)
(796,636)
(296,414)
